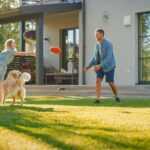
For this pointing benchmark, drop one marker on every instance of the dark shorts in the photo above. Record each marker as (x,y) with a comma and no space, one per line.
(109,76)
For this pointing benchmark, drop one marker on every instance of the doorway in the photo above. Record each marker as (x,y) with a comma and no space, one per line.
(69,60)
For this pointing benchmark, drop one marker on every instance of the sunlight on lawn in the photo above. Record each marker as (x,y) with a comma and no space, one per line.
(74,123)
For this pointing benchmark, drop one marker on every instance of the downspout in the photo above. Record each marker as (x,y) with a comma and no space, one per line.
(84,39)
(39,50)
(22,31)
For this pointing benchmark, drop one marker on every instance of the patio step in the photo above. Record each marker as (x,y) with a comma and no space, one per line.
(82,90)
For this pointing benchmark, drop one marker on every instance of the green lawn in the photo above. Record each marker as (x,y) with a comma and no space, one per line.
(74,123)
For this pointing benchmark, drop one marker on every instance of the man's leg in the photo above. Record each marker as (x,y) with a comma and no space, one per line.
(98,88)
(110,80)
(114,90)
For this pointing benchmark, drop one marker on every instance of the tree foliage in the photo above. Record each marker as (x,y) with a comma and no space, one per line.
(10,30)
(8,4)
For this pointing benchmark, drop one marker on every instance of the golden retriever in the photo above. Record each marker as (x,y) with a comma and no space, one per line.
(14,86)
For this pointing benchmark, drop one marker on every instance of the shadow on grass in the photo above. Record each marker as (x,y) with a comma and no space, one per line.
(38,109)
(11,118)
(24,122)
(135,103)
(110,141)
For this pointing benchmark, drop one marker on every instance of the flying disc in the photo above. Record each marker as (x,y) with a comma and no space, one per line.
(55,50)
(26,76)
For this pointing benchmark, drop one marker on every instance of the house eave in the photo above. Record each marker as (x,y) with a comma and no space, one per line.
(27,12)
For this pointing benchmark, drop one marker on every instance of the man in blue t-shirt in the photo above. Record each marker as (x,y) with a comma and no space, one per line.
(104,64)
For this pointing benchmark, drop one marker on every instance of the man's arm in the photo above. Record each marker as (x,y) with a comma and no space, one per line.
(93,59)
(91,63)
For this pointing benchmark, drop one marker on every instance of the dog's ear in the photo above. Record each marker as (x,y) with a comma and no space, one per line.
(14,75)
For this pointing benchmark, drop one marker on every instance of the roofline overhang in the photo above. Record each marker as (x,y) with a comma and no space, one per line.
(33,11)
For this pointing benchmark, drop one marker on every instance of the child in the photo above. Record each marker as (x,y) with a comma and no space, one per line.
(7,56)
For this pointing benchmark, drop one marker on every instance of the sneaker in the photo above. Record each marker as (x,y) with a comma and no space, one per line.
(97,101)
(117,99)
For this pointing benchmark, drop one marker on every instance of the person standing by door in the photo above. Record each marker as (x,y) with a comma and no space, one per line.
(104,64)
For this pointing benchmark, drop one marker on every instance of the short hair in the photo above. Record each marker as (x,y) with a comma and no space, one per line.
(100,31)
(8,43)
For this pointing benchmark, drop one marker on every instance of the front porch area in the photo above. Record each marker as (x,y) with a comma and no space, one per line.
(62,30)
(43,27)
(86,91)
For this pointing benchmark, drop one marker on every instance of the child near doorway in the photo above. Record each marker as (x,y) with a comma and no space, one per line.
(7,56)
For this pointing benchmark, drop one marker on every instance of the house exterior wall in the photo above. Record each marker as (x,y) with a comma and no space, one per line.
(124,38)
(53,23)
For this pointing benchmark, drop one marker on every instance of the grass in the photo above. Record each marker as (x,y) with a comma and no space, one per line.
(75,123)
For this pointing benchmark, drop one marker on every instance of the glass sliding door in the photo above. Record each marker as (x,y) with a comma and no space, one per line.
(144,47)
(70,46)
(70,52)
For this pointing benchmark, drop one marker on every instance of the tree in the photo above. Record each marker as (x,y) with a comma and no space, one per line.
(10,30)
(7,4)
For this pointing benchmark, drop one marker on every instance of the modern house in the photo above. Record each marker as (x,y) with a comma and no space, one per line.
(70,25)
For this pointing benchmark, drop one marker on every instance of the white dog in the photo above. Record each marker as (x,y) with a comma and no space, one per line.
(14,86)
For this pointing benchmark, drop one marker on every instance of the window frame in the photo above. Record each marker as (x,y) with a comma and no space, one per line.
(62,42)
(140,57)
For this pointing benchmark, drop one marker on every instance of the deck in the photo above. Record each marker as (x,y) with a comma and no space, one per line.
(74,90)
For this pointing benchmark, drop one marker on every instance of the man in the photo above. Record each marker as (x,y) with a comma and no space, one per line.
(104,64)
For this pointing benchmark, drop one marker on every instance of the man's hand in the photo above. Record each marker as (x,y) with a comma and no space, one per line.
(97,68)
(85,69)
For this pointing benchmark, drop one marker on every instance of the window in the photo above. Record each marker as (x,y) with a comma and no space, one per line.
(30,36)
(144,47)
(70,47)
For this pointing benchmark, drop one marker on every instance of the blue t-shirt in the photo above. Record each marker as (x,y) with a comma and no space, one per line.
(107,59)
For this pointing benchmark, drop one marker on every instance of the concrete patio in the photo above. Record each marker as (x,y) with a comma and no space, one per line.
(67,90)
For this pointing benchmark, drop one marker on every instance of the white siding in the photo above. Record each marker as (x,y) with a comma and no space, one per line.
(124,38)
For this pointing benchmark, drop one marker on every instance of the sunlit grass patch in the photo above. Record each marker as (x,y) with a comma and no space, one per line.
(74,123)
